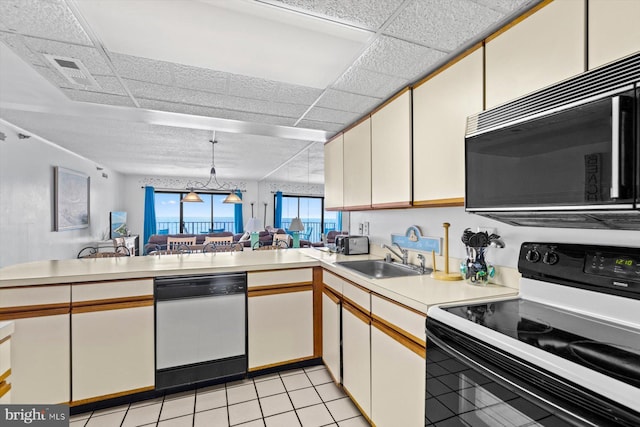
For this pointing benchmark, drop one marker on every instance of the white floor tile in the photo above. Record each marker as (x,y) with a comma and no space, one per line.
(314,416)
(270,387)
(255,423)
(304,397)
(288,419)
(177,407)
(184,421)
(210,399)
(109,420)
(266,377)
(77,423)
(330,392)
(243,412)
(142,415)
(77,417)
(275,404)
(320,376)
(215,417)
(110,410)
(314,368)
(241,393)
(147,402)
(240,382)
(295,382)
(354,422)
(342,409)
(180,395)
(292,372)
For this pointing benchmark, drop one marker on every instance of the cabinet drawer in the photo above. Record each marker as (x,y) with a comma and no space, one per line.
(332,281)
(357,295)
(5,356)
(29,296)
(111,290)
(404,320)
(280,277)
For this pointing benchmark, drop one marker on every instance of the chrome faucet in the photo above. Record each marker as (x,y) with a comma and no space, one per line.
(404,252)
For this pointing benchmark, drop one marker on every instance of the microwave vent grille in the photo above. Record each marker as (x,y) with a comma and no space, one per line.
(592,83)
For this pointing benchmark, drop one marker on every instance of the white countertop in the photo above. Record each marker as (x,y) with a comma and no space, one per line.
(6,329)
(418,292)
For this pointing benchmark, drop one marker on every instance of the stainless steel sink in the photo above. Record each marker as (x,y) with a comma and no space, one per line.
(379,269)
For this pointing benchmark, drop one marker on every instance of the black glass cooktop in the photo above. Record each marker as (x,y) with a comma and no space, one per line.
(611,349)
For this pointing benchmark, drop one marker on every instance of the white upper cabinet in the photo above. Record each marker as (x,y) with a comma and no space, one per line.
(546,47)
(391,153)
(613,30)
(357,166)
(440,109)
(333,170)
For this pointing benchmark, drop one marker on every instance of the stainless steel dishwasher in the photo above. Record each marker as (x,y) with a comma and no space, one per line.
(201,328)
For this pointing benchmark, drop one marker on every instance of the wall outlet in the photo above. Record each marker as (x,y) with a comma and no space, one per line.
(360,227)
(365,228)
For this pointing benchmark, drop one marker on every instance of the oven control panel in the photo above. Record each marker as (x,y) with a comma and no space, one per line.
(609,269)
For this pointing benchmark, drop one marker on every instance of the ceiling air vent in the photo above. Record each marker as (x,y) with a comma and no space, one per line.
(73,70)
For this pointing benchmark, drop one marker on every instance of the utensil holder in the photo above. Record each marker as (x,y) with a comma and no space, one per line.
(475,269)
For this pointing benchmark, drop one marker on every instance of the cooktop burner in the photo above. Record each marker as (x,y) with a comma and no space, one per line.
(611,349)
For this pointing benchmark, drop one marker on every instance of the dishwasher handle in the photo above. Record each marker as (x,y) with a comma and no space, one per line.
(180,287)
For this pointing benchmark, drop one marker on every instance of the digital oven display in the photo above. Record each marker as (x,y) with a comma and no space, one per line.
(612,265)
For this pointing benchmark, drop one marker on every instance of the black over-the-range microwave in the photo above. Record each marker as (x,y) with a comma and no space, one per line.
(565,156)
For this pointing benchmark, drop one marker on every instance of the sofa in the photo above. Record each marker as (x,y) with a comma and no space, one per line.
(159,241)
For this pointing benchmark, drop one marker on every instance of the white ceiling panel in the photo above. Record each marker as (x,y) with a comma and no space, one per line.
(333,116)
(314,124)
(142,69)
(265,107)
(98,98)
(15,42)
(89,56)
(195,110)
(294,94)
(201,78)
(173,94)
(50,19)
(338,100)
(442,24)
(370,14)
(505,6)
(367,82)
(388,55)
(258,118)
(252,87)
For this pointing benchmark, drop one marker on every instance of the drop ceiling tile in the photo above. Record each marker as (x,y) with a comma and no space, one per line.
(143,69)
(108,84)
(16,43)
(338,100)
(174,107)
(369,14)
(98,98)
(89,56)
(111,84)
(388,55)
(367,82)
(260,106)
(54,77)
(50,19)
(442,24)
(200,78)
(505,6)
(258,118)
(326,126)
(173,94)
(252,87)
(333,116)
(294,94)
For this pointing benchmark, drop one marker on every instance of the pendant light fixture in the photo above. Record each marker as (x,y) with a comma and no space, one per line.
(192,186)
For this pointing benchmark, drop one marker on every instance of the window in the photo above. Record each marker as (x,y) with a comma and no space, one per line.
(211,216)
(311,211)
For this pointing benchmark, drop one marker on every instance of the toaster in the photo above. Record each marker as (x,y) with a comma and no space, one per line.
(352,245)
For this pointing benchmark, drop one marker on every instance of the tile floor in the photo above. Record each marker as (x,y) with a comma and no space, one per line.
(296,398)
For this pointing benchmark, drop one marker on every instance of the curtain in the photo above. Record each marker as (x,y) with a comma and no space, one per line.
(237,214)
(149,213)
(339,221)
(277,221)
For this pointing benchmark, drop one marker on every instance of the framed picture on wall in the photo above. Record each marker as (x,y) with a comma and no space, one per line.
(70,199)
(118,221)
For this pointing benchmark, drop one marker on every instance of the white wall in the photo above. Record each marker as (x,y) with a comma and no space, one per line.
(26,200)
(384,223)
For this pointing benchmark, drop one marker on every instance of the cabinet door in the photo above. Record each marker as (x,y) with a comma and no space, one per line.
(112,352)
(357,166)
(440,109)
(331,334)
(613,30)
(356,357)
(280,328)
(397,381)
(333,170)
(546,47)
(40,360)
(391,154)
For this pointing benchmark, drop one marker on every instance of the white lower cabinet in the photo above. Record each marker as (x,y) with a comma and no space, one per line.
(356,357)
(112,352)
(280,328)
(397,381)
(40,360)
(331,334)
